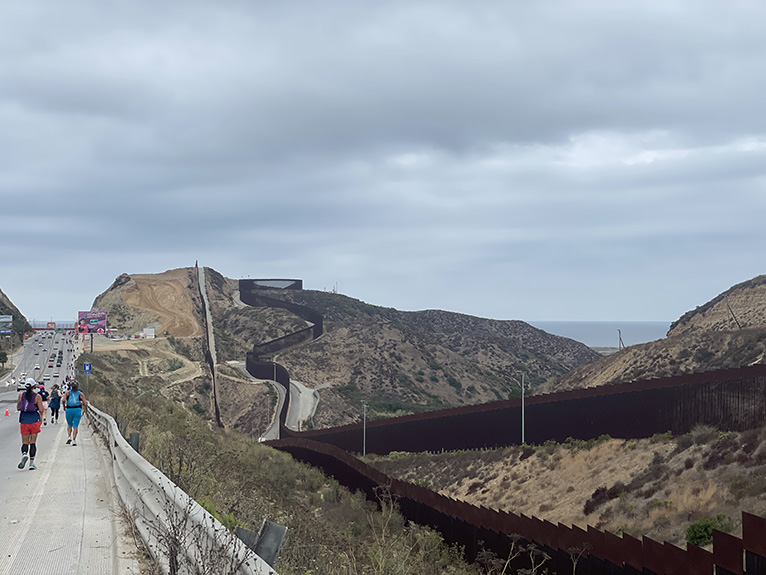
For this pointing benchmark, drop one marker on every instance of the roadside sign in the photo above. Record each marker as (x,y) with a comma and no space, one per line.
(6,324)
(86,368)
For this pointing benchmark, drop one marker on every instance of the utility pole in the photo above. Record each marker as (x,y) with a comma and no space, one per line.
(364,427)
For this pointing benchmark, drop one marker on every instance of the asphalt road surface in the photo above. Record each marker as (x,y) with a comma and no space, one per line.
(64,516)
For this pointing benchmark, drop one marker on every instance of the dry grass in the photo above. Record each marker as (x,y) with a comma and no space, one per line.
(652,487)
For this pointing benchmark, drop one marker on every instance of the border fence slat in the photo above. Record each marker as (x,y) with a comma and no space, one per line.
(699,560)
(727,553)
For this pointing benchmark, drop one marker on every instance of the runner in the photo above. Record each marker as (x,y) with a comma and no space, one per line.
(44,395)
(30,407)
(74,401)
(55,403)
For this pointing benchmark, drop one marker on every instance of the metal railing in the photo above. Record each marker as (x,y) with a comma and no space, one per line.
(181,535)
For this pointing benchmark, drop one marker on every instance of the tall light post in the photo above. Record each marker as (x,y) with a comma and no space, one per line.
(364,427)
(522,384)
(522,408)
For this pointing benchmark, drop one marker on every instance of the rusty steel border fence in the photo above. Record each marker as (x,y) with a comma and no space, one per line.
(730,400)
(475,528)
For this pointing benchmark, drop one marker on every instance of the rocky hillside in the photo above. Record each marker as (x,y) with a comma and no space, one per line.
(401,362)
(727,331)
(20,324)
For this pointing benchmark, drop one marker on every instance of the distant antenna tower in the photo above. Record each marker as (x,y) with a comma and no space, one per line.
(620,345)
(335,288)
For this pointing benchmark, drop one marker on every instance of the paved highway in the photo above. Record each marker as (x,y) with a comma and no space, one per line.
(40,360)
(62,517)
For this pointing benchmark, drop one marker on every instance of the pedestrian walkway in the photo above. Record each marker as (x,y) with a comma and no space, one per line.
(64,517)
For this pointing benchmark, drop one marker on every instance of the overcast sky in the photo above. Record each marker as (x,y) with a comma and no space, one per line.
(506,159)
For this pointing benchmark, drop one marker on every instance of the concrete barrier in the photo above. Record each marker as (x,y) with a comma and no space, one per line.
(178,532)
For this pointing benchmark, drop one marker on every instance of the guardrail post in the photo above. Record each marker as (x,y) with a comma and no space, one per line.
(134,437)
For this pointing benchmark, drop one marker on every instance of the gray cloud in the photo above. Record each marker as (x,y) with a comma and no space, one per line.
(531,160)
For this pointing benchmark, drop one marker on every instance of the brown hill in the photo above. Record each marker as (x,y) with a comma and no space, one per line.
(168,302)
(727,331)
(401,362)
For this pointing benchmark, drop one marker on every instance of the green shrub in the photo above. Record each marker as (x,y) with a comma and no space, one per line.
(701,532)
(174,363)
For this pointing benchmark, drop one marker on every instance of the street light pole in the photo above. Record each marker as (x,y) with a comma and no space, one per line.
(522,408)
(364,427)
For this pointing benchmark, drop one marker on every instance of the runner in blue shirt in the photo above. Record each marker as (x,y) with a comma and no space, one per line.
(74,402)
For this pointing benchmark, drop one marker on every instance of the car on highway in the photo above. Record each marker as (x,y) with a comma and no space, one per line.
(46,377)
(37,366)
(56,374)
(21,385)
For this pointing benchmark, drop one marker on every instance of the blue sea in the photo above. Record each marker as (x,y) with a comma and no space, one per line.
(605,333)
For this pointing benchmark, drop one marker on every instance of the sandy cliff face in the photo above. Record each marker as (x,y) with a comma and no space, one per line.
(742,306)
(168,302)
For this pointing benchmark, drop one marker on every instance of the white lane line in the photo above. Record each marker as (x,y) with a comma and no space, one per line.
(32,508)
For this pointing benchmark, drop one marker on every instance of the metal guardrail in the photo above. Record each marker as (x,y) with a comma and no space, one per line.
(179,533)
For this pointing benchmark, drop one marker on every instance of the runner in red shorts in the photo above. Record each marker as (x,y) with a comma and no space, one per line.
(30,407)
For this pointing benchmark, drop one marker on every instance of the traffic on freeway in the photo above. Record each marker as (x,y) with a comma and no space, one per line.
(48,358)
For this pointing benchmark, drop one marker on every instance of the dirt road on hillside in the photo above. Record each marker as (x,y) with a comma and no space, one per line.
(166,295)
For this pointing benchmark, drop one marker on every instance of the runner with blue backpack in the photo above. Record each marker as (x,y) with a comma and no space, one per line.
(74,401)
(30,407)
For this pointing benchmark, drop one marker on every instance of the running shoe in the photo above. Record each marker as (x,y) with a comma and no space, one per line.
(68,441)
(32,465)
(23,461)
(74,443)
(45,422)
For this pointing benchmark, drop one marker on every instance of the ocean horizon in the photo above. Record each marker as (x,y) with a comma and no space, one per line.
(605,333)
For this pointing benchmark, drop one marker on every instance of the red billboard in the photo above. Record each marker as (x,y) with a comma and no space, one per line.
(91,322)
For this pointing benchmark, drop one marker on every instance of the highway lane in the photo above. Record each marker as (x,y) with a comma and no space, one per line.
(62,517)
(35,361)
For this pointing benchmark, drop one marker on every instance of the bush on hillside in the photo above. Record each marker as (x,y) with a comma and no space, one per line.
(701,532)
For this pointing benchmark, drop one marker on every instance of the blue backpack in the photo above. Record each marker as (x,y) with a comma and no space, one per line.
(74,399)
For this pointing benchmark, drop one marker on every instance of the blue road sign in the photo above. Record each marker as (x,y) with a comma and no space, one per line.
(86,368)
